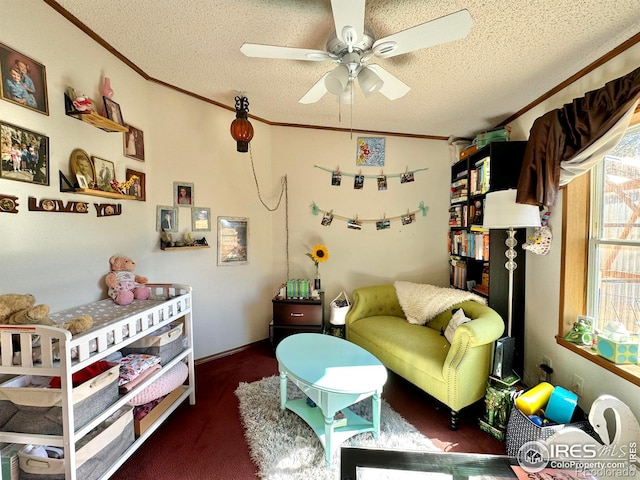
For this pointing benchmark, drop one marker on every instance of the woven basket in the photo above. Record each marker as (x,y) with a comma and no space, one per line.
(520,429)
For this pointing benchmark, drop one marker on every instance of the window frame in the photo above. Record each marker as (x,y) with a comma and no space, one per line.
(576,221)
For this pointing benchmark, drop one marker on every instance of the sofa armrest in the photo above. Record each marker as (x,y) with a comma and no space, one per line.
(372,301)
(486,325)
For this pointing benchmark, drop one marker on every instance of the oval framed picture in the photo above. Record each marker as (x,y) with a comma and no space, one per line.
(80,163)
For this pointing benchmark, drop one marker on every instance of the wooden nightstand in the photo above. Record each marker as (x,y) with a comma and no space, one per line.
(295,316)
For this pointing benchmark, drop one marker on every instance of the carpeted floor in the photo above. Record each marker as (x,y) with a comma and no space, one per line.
(284,447)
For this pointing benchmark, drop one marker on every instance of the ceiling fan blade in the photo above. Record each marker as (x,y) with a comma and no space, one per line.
(316,92)
(348,13)
(392,88)
(441,30)
(286,53)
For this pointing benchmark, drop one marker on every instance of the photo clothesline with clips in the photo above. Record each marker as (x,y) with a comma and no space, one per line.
(381,179)
(355,223)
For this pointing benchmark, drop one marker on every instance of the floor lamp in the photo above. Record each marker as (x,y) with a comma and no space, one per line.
(502,212)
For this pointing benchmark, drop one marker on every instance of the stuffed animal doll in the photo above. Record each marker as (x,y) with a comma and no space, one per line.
(124,285)
(20,309)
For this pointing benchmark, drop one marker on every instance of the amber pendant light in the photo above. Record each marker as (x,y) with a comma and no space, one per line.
(241,128)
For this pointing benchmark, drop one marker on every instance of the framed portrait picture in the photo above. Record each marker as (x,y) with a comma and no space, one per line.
(82,181)
(25,155)
(134,143)
(138,188)
(233,239)
(105,172)
(166,218)
(81,164)
(24,81)
(200,219)
(183,194)
(112,110)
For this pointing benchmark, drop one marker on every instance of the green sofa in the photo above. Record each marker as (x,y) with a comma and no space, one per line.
(455,374)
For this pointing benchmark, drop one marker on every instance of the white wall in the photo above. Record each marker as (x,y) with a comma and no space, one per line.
(62,258)
(543,272)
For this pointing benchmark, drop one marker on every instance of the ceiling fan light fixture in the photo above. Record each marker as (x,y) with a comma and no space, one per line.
(369,81)
(241,128)
(384,48)
(349,36)
(346,97)
(337,80)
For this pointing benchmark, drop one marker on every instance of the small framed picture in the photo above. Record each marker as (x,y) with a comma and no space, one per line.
(81,164)
(233,238)
(112,110)
(336,179)
(166,218)
(134,143)
(370,151)
(183,194)
(138,187)
(82,181)
(105,172)
(358,182)
(200,219)
(24,81)
(25,155)
(406,177)
(382,182)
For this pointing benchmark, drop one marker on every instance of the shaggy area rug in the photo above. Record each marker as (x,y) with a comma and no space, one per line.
(284,447)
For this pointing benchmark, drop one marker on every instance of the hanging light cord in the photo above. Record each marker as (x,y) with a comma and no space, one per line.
(284,191)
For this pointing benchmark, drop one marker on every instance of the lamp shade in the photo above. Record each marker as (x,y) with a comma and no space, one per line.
(337,80)
(502,211)
(369,81)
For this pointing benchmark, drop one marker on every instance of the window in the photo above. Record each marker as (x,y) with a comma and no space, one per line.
(613,293)
(614,270)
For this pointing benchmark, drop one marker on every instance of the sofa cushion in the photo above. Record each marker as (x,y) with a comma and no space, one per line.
(457,319)
(422,302)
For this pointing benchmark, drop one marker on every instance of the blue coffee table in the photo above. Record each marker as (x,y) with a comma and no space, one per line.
(335,374)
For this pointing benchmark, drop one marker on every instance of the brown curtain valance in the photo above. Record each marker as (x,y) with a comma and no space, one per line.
(564,133)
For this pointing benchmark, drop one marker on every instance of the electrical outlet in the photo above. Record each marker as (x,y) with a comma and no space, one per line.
(544,375)
(577,385)
(546,361)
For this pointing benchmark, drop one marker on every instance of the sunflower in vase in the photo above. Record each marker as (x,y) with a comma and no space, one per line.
(318,254)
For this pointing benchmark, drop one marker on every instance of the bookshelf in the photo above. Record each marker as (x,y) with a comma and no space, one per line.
(477,256)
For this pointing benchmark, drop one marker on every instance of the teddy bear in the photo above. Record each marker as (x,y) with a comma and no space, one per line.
(124,285)
(21,309)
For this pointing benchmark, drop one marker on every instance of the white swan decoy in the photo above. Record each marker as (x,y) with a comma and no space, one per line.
(626,433)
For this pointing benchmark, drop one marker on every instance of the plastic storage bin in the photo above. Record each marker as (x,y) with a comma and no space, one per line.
(165,343)
(39,410)
(95,452)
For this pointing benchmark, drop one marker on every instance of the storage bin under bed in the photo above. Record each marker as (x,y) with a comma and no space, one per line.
(165,343)
(39,410)
(95,452)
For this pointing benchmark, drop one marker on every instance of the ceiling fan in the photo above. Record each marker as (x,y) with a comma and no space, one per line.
(352,45)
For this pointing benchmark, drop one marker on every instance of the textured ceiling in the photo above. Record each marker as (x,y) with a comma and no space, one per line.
(516,51)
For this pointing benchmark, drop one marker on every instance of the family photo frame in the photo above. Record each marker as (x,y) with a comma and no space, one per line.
(105,172)
(81,165)
(200,219)
(183,194)
(24,81)
(134,143)
(138,188)
(28,155)
(112,111)
(166,219)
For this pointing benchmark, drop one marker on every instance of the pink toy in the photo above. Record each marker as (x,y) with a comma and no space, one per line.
(124,285)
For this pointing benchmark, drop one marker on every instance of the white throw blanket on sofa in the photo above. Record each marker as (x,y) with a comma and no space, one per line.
(421,302)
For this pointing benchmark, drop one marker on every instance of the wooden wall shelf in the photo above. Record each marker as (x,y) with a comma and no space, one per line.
(101,193)
(92,118)
(187,247)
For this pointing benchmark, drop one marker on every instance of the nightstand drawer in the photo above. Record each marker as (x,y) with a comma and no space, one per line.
(289,313)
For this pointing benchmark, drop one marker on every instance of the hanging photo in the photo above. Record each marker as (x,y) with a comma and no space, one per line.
(134,143)
(408,218)
(406,177)
(383,224)
(24,81)
(336,178)
(358,182)
(354,224)
(327,218)
(166,218)
(382,182)
(183,193)
(25,155)
(370,151)
(200,219)
(233,236)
